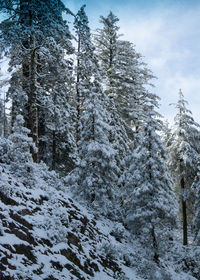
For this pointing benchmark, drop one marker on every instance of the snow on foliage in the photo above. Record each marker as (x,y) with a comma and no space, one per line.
(149,202)
(89,115)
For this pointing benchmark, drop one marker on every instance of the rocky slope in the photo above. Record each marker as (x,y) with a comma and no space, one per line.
(44,234)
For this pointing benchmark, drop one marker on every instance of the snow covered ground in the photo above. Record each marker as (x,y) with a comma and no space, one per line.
(45,234)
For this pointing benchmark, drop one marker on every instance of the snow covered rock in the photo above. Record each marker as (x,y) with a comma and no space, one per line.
(45,235)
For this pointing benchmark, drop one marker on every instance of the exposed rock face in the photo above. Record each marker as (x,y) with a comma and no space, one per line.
(45,235)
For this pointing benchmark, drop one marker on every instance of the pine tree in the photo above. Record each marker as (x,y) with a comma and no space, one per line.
(166,135)
(149,202)
(84,69)
(106,41)
(4,129)
(131,80)
(38,40)
(184,159)
(106,44)
(120,135)
(125,74)
(56,129)
(97,170)
(96,173)
(19,154)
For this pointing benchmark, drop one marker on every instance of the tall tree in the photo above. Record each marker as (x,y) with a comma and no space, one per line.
(38,39)
(149,203)
(184,158)
(106,40)
(96,172)
(56,129)
(4,129)
(83,68)
(131,79)
(125,74)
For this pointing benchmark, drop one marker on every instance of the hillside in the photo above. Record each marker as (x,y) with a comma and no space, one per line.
(45,234)
(93,183)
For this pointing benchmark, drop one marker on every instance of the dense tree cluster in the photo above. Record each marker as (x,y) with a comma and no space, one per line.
(89,114)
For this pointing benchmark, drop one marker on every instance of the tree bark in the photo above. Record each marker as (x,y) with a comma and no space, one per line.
(155,246)
(54,151)
(32,101)
(78,95)
(54,133)
(184,213)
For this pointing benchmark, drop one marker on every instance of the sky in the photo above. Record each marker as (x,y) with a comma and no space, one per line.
(167,34)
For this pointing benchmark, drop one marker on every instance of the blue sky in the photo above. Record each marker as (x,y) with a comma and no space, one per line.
(167,34)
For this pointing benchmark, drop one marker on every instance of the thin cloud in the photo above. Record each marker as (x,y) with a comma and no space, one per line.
(169,40)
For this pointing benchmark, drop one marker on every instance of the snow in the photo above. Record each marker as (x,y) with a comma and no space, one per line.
(114,214)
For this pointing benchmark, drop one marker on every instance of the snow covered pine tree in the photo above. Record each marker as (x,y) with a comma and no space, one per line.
(183,159)
(96,173)
(149,202)
(38,40)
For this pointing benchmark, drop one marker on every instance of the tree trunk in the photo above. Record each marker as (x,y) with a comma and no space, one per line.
(78,95)
(182,186)
(155,246)
(5,122)
(184,213)
(42,131)
(42,145)
(54,151)
(54,133)
(32,101)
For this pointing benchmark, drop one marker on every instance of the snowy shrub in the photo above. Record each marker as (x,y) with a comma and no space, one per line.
(130,259)
(118,231)
(191,263)
(55,231)
(108,250)
(19,154)
(51,178)
(119,276)
(5,146)
(54,221)
(186,259)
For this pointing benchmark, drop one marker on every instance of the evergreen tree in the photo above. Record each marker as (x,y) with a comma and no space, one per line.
(84,69)
(106,41)
(149,202)
(184,155)
(125,74)
(166,135)
(96,173)
(56,129)
(19,155)
(97,170)
(131,80)
(38,39)
(4,129)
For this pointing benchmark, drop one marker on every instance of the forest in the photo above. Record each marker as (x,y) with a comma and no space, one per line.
(94,184)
